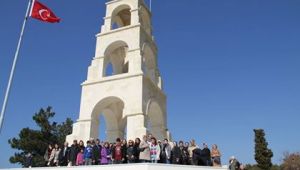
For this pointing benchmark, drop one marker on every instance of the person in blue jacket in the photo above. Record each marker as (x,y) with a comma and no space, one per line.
(88,154)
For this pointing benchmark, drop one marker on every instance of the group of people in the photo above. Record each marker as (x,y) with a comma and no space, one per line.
(147,149)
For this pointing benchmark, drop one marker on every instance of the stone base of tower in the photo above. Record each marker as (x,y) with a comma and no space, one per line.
(134,167)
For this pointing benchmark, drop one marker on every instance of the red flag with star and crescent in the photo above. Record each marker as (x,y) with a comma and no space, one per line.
(41,12)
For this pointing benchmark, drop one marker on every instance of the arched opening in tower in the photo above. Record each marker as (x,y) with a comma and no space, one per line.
(108,115)
(121,17)
(116,59)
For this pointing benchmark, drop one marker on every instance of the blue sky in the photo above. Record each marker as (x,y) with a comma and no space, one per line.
(228,67)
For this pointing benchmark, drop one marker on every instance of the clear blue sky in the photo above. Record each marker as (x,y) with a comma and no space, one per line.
(228,67)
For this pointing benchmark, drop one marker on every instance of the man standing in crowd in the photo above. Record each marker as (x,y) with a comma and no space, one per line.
(184,153)
(197,157)
(166,152)
(191,148)
(95,151)
(234,163)
(176,154)
(64,155)
(74,150)
(28,160)
(205,155)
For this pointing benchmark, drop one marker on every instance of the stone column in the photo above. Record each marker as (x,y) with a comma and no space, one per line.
(135,61)
(136,126)
(107,24)
(135,18)
(81,131)
(96,69)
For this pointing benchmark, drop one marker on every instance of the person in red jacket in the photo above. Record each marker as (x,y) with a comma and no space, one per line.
(118,153)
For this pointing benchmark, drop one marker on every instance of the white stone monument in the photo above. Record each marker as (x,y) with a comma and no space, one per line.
(123,81)
(129,96)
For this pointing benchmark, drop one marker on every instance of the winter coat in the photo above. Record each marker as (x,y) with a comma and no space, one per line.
(144,151)
(197,156)
(130,153)
(54,157)
(191,149)
(137,152)
(205,157)
(96,153)
(176,155)
(80,159)
(124,150)
(154,152)
(165,152)
(88,152)
(185,155)
(64,156)
(104,155)
(28,161)
(234,165)
(74,150)
(47,154)
(123,153)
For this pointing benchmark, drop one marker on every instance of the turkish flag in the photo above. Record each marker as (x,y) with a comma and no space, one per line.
(43,13)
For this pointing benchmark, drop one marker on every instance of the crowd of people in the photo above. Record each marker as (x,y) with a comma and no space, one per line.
(148,149)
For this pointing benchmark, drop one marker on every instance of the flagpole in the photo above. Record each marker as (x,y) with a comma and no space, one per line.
(13,68)
(150,5)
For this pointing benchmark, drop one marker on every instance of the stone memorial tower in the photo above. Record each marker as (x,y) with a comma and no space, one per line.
(123,81)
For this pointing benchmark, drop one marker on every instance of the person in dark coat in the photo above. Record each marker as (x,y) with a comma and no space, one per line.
(166,152)
(197,156)
(137,150)
(130,153)
(124,149)
(64,155)
(74,150)
(205,156)
(184,153)
(160,154)
(176,154)
(28,160)
(96,152)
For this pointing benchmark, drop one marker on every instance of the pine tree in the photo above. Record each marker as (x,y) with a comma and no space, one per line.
(263,155)
(35,141)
